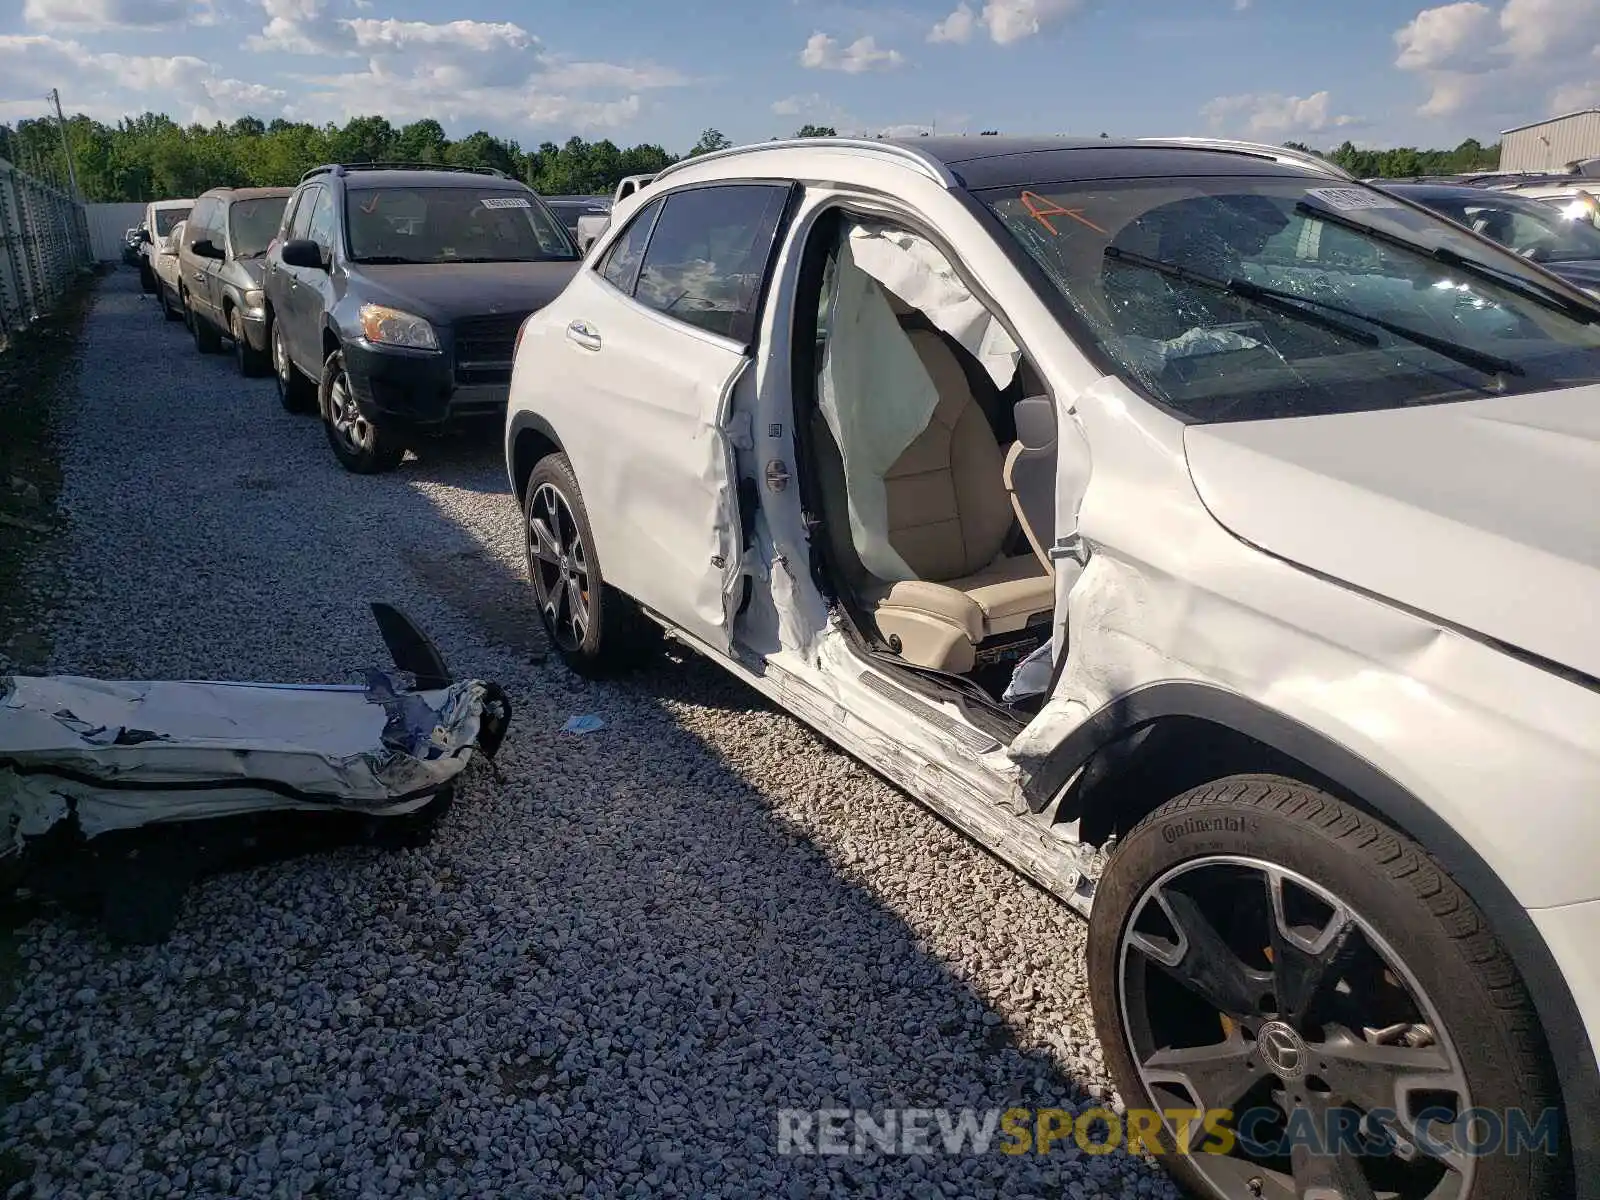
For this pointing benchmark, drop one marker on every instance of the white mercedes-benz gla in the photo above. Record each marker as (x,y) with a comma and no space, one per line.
(1210,535)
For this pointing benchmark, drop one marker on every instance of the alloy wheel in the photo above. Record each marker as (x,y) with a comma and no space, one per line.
(354,430)
(559,565)
(280,361)
(1249,988)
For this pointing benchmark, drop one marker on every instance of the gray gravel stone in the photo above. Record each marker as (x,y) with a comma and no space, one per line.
(621,954)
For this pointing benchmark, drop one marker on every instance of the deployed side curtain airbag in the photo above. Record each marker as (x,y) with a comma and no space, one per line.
(919,274)
(877,398)
(875,392)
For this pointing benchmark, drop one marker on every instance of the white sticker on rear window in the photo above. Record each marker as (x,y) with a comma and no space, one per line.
(506,202)
(1350,199)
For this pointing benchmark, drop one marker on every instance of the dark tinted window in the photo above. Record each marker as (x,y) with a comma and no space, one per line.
(460,223)
(254,223)
(302,214)
(320,230)
(621,263)
(708,253)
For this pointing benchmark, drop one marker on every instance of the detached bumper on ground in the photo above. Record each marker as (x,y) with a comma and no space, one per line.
(158,782)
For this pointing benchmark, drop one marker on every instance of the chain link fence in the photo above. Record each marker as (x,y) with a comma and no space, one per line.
(44,243)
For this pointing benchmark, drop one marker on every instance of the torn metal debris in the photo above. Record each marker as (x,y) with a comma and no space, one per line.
(85,760)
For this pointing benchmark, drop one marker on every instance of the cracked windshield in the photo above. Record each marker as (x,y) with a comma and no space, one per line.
(1250,298)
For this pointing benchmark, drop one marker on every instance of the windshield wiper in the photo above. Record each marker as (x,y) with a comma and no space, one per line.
(391,260)
(1540,294)
(1229,287)
(1290,303)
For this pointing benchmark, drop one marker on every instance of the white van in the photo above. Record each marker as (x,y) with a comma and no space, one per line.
(161,217)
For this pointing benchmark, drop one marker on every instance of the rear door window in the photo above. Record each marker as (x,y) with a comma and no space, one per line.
(320,230)
(620,266)
(708,253)
(299,227)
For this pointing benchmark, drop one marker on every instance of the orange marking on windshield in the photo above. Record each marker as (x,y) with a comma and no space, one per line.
(372,205)
(1041,210)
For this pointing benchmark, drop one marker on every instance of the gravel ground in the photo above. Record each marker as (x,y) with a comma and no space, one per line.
(614,964)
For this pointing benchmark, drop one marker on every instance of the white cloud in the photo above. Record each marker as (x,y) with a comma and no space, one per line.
(1576,96)
(460,70)
(1546,29)
(1240,5)
(116,84)
(1007,21)
(823,53)
(93,16)
(583,76)
(795,106)
(300,27)
(1273,117)
(957,27)
(480,37)
(1527,58)
(813,108)
(1452,36)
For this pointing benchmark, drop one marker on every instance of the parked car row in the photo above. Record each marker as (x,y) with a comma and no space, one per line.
(1208,533)
(384,299)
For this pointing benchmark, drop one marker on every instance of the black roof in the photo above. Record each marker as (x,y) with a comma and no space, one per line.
(988,162)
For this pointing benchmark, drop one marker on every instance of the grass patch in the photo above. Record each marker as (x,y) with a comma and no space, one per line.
(36,368)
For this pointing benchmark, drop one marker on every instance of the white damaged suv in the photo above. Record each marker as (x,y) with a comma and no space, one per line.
(1213,537)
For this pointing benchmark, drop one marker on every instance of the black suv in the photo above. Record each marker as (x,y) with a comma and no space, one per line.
(394,295)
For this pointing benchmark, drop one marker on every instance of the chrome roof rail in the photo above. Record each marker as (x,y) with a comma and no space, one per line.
(919,161)
(1277,153)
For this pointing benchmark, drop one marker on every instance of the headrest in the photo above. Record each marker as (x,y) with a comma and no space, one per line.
(1036,422)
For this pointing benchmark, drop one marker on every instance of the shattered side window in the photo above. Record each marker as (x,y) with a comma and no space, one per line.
(1257,297)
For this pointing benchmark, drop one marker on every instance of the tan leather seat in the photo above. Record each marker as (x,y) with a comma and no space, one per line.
(949,514)
(1030,474)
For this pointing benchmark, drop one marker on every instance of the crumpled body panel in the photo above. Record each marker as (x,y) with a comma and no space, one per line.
(123,754)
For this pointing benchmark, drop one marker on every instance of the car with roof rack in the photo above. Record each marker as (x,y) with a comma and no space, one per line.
(1207,533)
(393,296)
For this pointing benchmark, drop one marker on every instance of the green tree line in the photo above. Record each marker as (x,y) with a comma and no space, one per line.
(150,157)
(1406,162)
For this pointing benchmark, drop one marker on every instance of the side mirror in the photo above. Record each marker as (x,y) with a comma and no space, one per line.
(303,252)
(204,248)
(144,237)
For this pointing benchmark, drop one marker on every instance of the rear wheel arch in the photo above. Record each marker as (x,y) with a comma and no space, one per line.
(1124,750)
(531,439)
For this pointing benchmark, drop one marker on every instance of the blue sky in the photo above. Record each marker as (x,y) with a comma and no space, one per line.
(1379,72)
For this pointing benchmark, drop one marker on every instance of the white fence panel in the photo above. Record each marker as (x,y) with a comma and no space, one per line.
(44,242)
(107,224)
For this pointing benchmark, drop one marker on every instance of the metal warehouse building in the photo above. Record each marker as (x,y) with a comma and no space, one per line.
(1551,145)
